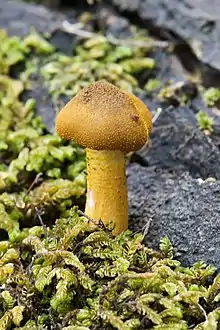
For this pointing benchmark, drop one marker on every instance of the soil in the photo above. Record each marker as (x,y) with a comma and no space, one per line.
(170,190)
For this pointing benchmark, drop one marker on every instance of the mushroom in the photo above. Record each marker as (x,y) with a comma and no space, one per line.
(109,123)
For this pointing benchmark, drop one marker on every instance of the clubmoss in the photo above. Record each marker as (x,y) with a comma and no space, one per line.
(56,272)
(82,278)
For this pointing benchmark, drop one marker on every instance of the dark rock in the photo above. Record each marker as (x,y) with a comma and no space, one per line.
(177,144)
(168,67)
(129,5)
(17,18)
(112,23)
(186,210)
(44,105)
(63,42)
(195,21)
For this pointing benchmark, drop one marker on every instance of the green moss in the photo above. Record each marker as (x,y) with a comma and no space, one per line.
(86,279)
(174,91)
(28,152)
(94,59)
(36,42)
(205,122)
(211,96)
(152,85)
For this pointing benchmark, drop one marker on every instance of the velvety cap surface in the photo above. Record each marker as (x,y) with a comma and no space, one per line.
(102,117)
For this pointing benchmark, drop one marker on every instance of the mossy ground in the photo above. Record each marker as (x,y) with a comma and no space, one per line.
(55,271)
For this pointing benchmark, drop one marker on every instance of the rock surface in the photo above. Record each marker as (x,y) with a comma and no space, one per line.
(185,209)
(195,21)
(178,145)
(17,18)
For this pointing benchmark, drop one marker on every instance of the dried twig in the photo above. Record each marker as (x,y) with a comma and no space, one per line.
(41,222)
(146,227)
(157,115)
(99,224)
(54,325)
(36,181)
(82,214)
(77,29)
(29,267)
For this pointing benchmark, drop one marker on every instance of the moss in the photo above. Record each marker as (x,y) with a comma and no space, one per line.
(152,85)
(86,279)
(94,59)
(32,161)
(174,91)
(205,122)
(211,96)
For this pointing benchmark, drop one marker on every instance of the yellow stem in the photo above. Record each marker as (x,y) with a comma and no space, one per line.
(107,188)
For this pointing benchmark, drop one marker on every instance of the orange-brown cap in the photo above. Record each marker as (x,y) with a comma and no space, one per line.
(102,117)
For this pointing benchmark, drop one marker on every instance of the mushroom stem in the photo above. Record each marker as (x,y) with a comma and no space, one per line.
(107,188)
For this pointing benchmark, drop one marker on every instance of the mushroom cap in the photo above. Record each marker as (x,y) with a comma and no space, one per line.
(102,117)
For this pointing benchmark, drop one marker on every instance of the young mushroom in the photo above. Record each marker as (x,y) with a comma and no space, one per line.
(109,123)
